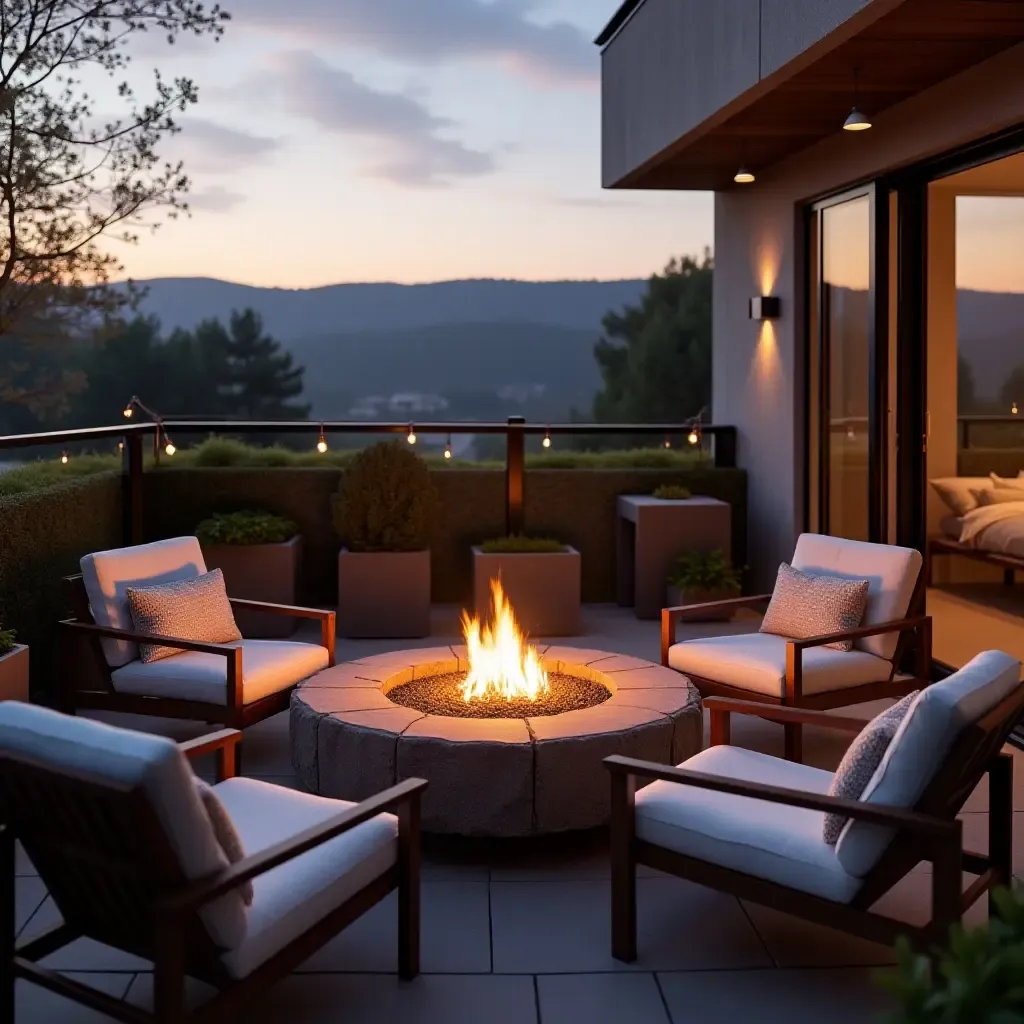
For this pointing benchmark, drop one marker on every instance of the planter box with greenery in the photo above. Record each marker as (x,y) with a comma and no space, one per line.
(13,667)
(540,577)
(259,554)
(384,512)
(702,576)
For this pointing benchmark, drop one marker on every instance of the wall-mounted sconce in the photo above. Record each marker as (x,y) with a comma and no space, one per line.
(765,307)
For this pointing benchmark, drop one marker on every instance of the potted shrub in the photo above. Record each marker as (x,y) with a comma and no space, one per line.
(672,492)
(541,578)
(259,554)
(13,667)
(701,576)
(383,513)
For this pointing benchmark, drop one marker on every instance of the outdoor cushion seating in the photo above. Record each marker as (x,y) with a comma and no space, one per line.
(753,825)
(807,672)
(138,867)
(236,683)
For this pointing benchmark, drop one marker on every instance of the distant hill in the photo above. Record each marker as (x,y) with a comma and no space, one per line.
(991,333)
(339,309)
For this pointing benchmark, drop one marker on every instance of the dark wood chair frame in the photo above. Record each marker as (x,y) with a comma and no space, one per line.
(917,628)
(929,832)
(110,869)
(947,546)
(75,693)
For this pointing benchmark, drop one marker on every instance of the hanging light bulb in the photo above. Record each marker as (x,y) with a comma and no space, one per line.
(129,408)
(856,120)
(547,439)
(411,436)
(64,458)
(743,176)
(1013,409)
(668,441)
(321,445)
(120,446)
(169,446)
(693,437)
(448,447)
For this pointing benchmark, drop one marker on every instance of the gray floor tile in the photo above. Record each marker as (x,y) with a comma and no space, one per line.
(83,955)
(455,934)
(29,893)
(35,1005)
(564,928)
(774,997)
(600,999)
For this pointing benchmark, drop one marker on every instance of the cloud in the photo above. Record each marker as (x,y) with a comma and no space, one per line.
(436,31)
(207,146)
(215,199)
(407,140)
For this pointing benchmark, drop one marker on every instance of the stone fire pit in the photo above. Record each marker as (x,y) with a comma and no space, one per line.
(353,734)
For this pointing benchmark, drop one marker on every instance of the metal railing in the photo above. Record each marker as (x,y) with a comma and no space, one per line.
(968,424)
(515,430)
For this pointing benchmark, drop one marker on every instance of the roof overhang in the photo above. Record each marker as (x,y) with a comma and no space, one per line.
(909,47)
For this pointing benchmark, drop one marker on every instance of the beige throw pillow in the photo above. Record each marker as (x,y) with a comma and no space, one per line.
(224,832)
(805,605)
(193,609)
(1000,496)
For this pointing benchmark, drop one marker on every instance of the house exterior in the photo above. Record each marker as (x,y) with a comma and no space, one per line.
(847,402)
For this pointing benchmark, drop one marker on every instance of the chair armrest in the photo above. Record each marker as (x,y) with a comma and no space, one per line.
(875,814)
(224,743)
(108,632)
(895,626)
(678,613)
(325,615)
(202,892)
(722,708)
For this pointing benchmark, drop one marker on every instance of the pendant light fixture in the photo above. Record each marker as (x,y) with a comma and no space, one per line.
(857,120)
(743,176)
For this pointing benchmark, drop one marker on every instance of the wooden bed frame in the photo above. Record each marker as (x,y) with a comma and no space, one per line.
(941,545)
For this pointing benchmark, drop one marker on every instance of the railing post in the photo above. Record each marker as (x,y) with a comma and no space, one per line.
(725,447)
(515,460)
(131,488)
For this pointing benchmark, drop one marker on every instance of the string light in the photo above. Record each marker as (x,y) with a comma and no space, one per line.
(169,447)
(448,447)
(1013,409)
(321,445)
(411,436)
(668,442)
(128,410)
(64,458)
(120,446)
(694,436)
(547,439)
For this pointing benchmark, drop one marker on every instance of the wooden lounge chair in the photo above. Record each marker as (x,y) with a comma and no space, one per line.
(236,684)
(751,825)
(805,673)
(113,824)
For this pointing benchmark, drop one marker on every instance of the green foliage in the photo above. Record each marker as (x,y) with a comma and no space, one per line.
(625,458)
(655,358)
(7,640)
(386,501)
(980,978)
(672,492)
(518,544)
(705,570)
(250,526)
(34,476)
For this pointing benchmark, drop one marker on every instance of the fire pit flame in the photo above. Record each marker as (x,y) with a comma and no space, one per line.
(501,663)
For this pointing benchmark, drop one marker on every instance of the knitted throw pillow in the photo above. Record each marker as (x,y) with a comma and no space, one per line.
(193,609)
(225,832)
(805,605)
(862,757)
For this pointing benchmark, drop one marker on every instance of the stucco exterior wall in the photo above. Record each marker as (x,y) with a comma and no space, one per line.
(755,367)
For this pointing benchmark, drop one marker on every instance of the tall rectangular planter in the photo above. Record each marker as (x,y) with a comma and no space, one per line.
(14,674)
(383,594)
(543,588)
(260,572)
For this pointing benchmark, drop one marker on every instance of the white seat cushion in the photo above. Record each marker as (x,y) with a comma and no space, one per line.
(129,759)
(767,840)
(757,662)
(107,574)
(891,573)
(267,667)
(928,731)
(290,899)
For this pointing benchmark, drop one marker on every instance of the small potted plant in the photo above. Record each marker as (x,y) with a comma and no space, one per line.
(13,667)
(699,577)
(672,492)
(259,554)
(540,577)
(383,513)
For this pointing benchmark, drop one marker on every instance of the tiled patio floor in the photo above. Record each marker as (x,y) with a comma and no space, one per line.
(517,932)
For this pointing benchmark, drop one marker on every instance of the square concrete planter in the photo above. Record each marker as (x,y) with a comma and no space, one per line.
(544,588)
(676,597)
(260,572)
(383,594)
(14,674)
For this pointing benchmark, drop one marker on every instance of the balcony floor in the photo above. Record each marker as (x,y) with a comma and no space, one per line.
(517,932)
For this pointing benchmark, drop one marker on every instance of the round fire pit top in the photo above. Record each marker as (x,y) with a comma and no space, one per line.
(361,726)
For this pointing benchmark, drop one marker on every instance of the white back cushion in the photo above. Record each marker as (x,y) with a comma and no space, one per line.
(938,716)
(108,573)
(133,759)
(891,573)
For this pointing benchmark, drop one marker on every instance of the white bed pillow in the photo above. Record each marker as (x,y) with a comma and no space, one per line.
(1000,496)
(957,492)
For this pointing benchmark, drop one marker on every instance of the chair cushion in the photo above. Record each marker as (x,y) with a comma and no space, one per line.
(268,666)
(293,897)
(861,759)
(195,609)
(757,662)
(124,758)
(891,572)
(767,840)
(108,574)
(931,726)
(228,837)
(805,605)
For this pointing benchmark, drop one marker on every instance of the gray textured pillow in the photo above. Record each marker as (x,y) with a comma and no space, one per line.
(224,832)
(805,605)
(193,609)
(862,757)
